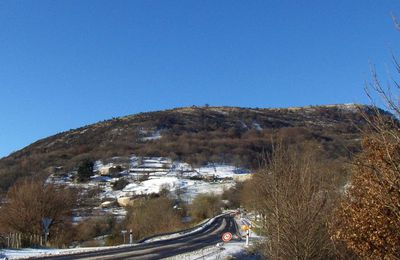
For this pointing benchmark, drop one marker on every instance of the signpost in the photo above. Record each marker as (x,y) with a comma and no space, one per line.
(226,237)
(247,228)
(46,226)
(123,233)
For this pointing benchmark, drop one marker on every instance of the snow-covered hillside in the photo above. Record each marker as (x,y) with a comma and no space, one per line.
(150,175)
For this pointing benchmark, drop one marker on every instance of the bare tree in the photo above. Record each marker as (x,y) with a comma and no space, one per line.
(293,194)
(31,200)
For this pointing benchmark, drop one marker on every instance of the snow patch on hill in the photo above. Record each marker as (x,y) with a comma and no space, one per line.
(149,175)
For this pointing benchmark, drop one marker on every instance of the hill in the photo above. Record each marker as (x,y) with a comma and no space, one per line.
(196,135)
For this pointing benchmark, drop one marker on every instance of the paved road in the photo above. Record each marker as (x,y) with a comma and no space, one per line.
(210,235)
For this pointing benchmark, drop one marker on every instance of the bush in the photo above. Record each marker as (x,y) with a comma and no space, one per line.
(114,171)
(85,170)
(205,206)
(31,200)
(233,195)
(94,227)
(152,216)
(120,184)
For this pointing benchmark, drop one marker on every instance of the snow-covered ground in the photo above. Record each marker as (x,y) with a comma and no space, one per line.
(147,175)
(220,251)
(220,171)
(34,252)
(223,250)
(150,135)
(199,227)
(235,248)
(190,188)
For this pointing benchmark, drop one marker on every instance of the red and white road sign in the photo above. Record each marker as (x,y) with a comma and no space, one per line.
(226,237)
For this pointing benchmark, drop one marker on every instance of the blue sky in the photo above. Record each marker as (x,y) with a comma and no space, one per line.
(64,64)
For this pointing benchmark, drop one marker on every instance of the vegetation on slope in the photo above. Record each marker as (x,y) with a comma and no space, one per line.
(196,135)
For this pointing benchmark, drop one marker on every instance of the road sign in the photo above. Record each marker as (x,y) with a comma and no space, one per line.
(46,224)
(226,237)
(246,227)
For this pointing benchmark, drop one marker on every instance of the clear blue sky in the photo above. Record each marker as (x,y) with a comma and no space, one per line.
(64,64)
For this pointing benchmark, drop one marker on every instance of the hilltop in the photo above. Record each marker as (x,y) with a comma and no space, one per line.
(196,135)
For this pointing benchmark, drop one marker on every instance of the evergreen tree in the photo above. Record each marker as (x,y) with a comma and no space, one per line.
(85,170)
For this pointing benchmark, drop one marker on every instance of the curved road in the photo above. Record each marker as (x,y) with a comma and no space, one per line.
(208,236)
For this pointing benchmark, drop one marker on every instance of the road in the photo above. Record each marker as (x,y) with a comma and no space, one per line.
(208,236)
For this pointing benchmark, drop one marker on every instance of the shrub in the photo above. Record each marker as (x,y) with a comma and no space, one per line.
(120,184)
(205,206)
(94,227)
(152,216)
(31,200)
(85,170)
(233,195)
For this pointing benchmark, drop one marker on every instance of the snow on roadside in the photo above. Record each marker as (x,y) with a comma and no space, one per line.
(221,251)
(240,223)
(235,249)
(34,252)
(205,223)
